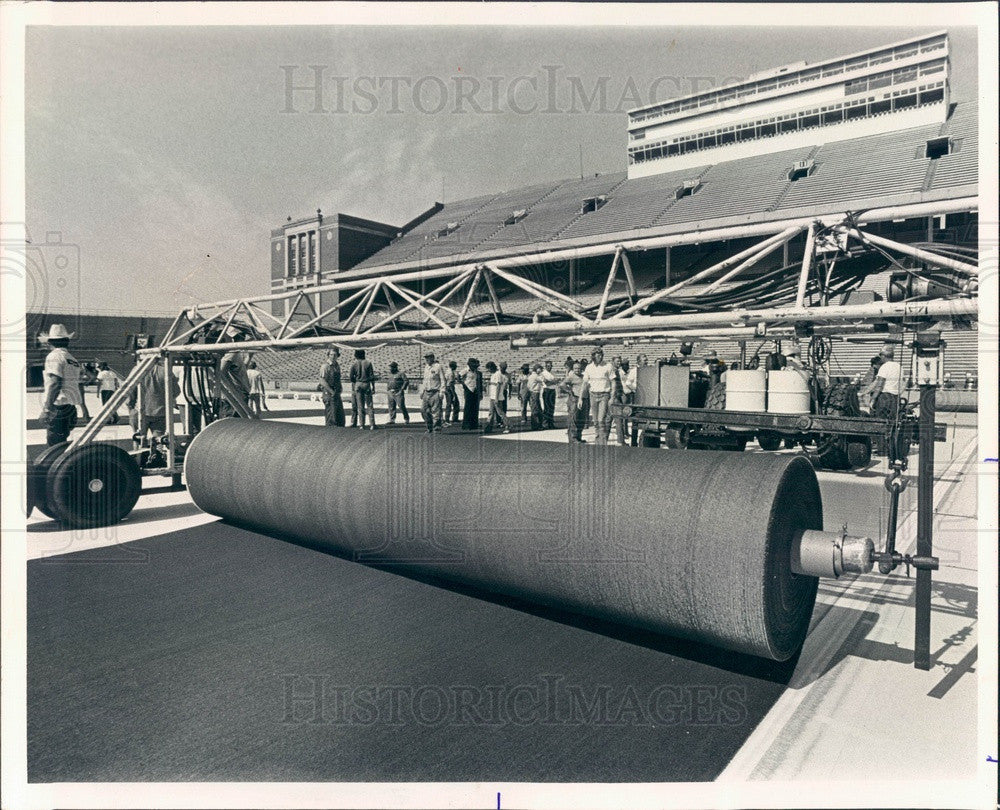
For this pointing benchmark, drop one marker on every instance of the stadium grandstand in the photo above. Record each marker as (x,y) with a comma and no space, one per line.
(866,132)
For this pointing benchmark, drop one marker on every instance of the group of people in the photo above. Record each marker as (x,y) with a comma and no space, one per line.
(450,395)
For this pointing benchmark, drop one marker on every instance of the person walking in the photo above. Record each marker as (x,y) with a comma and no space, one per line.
(598,385)
(496,396)
(62,386)
(451,386)
(363,388)
(472,386)
(333,390)
(107,383)
(396,392)
(576,405)
(430,392)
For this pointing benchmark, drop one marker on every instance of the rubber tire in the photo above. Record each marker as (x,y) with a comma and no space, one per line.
(69,486)
(769,441)
(859,451)
(716,399)
(38,470)
(841,400)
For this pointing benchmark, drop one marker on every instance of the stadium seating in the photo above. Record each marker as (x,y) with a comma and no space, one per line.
(962,166)
(862,168)
(845,172)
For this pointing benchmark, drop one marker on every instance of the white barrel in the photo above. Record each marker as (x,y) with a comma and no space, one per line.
(787,392)
(746,390)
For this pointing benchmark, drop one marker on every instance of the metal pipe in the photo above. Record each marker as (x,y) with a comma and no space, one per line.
(710,271)
(857,313)
(916,253)
(925,528)
(807,257)
(607,286)
(831,554)
(749,262)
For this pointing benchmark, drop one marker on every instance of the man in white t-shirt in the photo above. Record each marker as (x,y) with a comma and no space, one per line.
(62,386)
(887,386)
(598,383)
(107,383)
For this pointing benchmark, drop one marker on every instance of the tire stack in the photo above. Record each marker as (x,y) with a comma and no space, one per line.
(843,452)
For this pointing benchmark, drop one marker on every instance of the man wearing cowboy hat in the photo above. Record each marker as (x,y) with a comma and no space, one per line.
(62,386)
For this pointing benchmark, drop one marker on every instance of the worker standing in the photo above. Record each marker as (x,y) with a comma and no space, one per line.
(576,406)
(430,393)
(451,383)
(396,393)
(333,389)
(62,386)
(886,390)
(598,384)
(152,407)
(256,397)
(363,389)
(107,383)
(472,386)
(234,366)
(550,385)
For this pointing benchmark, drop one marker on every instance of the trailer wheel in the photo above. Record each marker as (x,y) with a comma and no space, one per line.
(38,470)
(94,485)
(843,452)
(768,440)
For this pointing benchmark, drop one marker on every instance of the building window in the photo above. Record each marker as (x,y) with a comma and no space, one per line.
(293,257)
(938,147)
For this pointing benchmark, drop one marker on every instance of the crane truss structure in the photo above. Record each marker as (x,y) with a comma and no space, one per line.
(204,331)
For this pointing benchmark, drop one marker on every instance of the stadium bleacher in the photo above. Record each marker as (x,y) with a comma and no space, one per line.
(847,171)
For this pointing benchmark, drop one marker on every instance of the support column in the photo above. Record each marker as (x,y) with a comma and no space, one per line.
(925,528)
(572,276)
(666,267)
(784,255)
(930,229)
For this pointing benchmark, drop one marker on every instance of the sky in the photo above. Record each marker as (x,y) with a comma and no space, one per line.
(162,157)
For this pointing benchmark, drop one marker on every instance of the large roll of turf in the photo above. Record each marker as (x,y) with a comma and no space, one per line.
(690,544)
